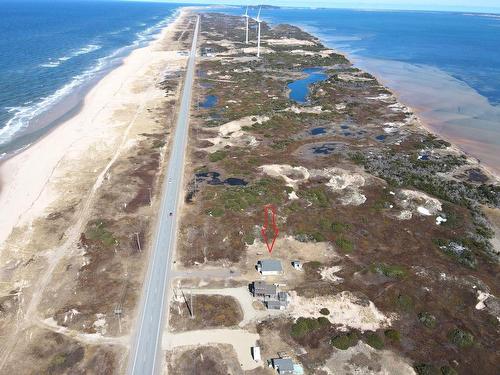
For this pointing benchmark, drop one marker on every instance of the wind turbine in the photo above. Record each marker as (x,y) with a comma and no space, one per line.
(258,20)
(247,19)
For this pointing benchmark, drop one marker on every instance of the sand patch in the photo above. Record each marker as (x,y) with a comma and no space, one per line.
(329,273)
(353,78)
(231,134)
(363,359)
(312,110)
(412,201)
(241,341)
(340,180)
(289,42)
(346,310)
(293,176)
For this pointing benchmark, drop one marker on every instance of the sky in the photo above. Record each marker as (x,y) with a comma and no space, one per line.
(450,5)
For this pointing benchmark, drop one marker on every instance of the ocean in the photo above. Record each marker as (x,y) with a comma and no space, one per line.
(444,65)
(52,52)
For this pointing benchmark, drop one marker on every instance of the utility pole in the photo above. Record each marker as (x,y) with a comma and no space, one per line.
(138,240)
(191,304)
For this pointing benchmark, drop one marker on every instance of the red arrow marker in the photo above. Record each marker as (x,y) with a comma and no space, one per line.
(269,243)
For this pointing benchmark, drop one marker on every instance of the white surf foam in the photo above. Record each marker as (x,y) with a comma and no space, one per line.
(24,115)
(82,51)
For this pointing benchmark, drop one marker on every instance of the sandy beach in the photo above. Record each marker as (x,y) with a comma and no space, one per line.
(89,167)
(36,178)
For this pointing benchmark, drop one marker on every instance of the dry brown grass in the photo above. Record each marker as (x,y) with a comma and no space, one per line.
(210,311)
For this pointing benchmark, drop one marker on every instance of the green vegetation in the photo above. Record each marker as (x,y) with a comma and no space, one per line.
(303,326)
(157,143)
(431,141)
(404,302)
(426,369)
(392,271)
(217,156)
(96,231)
(357,158)
(324,311)
(310,237)
(314,264)
(215,212)
(447,370)
(344,244)
(461,338)
(392,334)
(458,250)
(427,319)
(345,341)
(253,195)
(374,340)
(316,196)
(339,228)
(281,144)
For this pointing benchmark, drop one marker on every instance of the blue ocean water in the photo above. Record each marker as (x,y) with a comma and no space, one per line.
(444,65)
(52,51)
(465,45)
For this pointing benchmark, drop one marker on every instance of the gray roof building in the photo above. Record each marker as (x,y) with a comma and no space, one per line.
(270,266)
(262,289)
(283,365)
(283,296)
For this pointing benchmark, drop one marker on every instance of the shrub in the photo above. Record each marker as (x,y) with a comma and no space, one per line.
(447,370)
(215,212)
(316,196)
(394,272)
(427,319)
(340,227)
(217,156)
(392,334)
(405,302)
(426,369)
(461,338)
(97,232)
(375,341)
(344,244)
(345,340)
(324,311)
(323,322)
(304,326)
(314,264)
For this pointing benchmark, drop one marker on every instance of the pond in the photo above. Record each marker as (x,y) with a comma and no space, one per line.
(318,131)
(299,90)
(213,178)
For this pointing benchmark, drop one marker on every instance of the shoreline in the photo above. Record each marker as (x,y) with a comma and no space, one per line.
(26,176)
(425,124)
(72,104)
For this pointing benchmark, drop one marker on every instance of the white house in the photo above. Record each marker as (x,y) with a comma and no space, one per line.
(256,353)
(269,267)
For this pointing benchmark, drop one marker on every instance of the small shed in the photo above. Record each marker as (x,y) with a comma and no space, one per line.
(269,267)
(297,265)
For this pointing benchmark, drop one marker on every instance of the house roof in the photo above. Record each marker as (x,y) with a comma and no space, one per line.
(283,364)
(283,296)
(270,265)
(261,287)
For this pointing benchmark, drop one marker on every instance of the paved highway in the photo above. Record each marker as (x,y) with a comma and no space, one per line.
(145,355)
